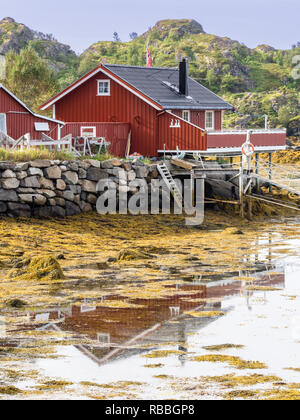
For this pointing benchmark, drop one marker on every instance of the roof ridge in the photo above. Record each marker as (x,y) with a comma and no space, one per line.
(141,67)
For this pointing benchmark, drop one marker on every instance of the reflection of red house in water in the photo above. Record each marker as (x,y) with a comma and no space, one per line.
(116,332)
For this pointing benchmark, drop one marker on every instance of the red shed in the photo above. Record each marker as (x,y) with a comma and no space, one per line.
(165,108)
(16,119)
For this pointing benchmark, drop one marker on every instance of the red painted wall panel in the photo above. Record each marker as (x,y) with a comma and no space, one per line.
(115,133)
(186,137)
(19,121)
(198,118)
(83,104)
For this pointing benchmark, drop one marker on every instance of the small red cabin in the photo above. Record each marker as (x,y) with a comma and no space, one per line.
(164,108)
(16,119)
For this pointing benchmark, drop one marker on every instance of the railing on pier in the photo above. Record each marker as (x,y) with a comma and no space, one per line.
(275,138)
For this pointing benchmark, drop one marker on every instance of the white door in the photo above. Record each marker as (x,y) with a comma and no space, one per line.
(3,123)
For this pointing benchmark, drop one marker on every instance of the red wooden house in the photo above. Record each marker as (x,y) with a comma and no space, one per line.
(164,108)
(16,119)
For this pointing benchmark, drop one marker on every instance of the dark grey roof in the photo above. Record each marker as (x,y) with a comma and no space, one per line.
(161,85)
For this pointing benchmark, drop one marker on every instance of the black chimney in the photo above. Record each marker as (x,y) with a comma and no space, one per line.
(183,77)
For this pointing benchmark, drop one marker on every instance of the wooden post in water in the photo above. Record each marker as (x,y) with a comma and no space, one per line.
(271,171)
(241,184)
(257,169)
(250,200)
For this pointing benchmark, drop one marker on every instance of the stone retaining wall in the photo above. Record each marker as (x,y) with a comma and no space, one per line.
(44,188)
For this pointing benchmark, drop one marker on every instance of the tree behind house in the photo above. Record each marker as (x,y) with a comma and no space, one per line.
(29,78)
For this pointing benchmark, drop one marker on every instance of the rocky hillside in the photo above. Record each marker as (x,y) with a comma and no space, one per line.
(226,66)
(257,81)
(15,36)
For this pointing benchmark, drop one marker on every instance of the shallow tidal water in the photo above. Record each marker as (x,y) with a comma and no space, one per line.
(177,325)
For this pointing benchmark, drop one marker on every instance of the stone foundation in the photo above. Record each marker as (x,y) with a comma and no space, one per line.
(45,188)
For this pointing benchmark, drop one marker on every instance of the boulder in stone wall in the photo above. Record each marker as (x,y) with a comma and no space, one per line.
(22,166)
(8,195)
(47,193)
(19,210)
(89,186)
(76,189)
(94,174)
(58,211)
(70,177)
(61,185)
(21,175)
(53,172)
(60,201)
(26,190)
(43,212)
(141,171)
(85,207)
(37,199)
(77,199)
(120,173)
(3,207)
(72,209)
(131,175)
(7,165)
(31,182)
(84,164)
(40,163)
(94,163)
(68,195)
(92,199)
(10,183)
(107,164)
(46,183)
(82,173)
(127,166)
(8,174)
(35,171)
(116,162)
(73,166)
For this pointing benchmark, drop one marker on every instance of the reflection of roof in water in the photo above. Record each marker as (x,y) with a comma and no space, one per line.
(116,333)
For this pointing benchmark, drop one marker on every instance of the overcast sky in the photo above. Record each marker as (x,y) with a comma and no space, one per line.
(80,23)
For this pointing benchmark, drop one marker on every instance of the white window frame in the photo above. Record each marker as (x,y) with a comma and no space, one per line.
(188,114)
(90,128)
(213,120)
(5,122)
(103,81)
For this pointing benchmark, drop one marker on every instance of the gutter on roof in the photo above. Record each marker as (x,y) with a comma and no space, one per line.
(198,107)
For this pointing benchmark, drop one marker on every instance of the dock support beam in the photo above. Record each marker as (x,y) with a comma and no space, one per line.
(271,171)
(257,169)
(241,185)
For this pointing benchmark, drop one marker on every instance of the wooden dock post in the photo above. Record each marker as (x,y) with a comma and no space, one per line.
(257,169)
(271,171)
(241,185)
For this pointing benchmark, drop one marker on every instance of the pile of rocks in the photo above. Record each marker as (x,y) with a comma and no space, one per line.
(44,188)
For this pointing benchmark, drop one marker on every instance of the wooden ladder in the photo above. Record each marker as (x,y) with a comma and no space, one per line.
(171,184)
